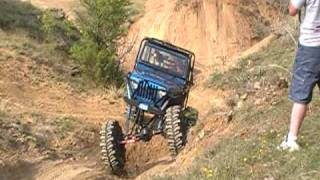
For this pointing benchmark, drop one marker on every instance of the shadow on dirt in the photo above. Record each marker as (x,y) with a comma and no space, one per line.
(190,118)
(17,170)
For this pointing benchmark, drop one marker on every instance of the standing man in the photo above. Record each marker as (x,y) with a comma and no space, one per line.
(306,70)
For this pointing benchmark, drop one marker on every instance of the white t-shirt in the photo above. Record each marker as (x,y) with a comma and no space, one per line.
(310,27)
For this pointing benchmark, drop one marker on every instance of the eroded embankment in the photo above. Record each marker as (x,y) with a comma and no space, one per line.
(214,30)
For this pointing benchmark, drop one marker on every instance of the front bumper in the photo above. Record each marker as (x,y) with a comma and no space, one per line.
(150,107)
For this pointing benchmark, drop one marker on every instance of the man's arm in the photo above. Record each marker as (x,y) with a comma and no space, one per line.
(295,6)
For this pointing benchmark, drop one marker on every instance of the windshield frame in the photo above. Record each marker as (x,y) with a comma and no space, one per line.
(180,55)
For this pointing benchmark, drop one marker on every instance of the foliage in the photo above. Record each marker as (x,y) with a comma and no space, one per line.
(102,24)
(15,15)
(58,28)
(137,9)
(97,64)
(190,115)
(93,41)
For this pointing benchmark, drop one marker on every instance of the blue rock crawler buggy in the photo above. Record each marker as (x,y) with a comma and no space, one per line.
(157,93)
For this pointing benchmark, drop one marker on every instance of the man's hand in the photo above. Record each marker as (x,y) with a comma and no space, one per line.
(295,6)
(293,11)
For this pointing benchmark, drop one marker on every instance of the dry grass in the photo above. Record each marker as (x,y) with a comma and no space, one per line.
(114,92)
(251,152)
(138,9)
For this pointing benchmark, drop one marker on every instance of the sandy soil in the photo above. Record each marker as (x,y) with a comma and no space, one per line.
(213,29)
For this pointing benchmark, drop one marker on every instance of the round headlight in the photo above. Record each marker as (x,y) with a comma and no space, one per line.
(161,93)
(134,85)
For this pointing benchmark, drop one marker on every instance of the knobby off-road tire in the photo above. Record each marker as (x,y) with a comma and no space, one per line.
(173,129)
(112,152)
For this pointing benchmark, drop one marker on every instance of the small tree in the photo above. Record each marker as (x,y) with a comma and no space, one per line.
(59,29)
(102,24)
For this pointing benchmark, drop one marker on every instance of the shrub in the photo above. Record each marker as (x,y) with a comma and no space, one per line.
(58,28)
(97,64)
(15,14)
(102,23)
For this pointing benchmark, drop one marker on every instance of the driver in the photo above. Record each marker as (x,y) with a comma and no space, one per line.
(156,58)
(153,57)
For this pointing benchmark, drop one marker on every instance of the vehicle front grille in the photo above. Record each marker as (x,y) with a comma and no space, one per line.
(146,91)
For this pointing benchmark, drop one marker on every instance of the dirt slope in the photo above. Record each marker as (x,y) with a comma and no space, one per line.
(214,29)
(33,101)
(31,90)
(217,31)
(48,109)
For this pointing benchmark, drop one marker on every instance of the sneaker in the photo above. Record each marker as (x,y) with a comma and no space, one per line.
(289,145)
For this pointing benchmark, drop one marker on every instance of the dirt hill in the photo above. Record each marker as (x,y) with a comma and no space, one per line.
(214,30)
(59,123)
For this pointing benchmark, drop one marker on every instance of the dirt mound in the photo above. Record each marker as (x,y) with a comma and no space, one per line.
(50,120)
(30,86)
(47,108)
(212,29)
(216,31)
(143,156)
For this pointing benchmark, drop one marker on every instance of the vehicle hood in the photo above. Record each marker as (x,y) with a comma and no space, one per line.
(160,79)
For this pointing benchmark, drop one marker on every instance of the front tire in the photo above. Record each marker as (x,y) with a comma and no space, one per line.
(173,129)
(112,151)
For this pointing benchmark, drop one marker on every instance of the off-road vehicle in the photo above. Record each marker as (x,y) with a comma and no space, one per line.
(156,94)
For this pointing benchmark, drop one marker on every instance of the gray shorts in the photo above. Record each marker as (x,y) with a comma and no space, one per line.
(306,74)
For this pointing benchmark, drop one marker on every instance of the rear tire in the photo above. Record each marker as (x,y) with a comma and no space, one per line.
(112,152)
(173,129)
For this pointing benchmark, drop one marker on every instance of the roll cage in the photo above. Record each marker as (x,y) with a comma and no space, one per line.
(169,47)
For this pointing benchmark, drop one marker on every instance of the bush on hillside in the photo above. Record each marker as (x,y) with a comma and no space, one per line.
(102,24)
(59,29)
(16,15)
